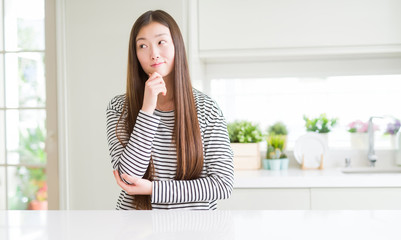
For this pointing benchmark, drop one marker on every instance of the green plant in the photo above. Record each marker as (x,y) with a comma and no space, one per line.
(320,124)
(32,180)
(275,147)
(32,145)
(244,132)
(278,128)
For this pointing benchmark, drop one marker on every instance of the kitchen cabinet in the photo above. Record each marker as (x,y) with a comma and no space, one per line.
(355,198)
(298,28)
(267,199)
(328,189)
(313,199)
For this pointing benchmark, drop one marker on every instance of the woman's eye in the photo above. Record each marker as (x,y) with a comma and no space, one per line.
(142,46)
(162,42)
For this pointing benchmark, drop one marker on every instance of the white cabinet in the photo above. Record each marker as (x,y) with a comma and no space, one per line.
(355,198)
(257,27)
(313,198)
(267,199)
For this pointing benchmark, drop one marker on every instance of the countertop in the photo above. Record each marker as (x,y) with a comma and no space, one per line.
(200,225)
(326,178)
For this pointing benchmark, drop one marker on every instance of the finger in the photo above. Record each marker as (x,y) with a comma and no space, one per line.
(115,174)
(120,181)
(154,75)
(155,81)
(159,89)
(122,184)
(162,90)
(118,178)
(130,179)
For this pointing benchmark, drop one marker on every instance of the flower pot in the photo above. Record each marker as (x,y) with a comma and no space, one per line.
(37,205)
(398,152)
(325,137)
(265,164)
(284,163)
(359,140)
(275,164)
(393,141)
(246,156)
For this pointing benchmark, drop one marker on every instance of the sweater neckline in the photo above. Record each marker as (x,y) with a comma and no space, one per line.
(164,113)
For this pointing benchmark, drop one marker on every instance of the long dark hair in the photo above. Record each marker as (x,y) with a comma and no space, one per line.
(187,136)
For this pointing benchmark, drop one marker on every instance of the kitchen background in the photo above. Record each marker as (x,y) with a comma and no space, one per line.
(262,60)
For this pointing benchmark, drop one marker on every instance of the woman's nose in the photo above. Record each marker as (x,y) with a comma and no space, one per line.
(155,54)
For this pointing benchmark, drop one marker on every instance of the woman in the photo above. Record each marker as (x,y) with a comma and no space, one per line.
(168,142)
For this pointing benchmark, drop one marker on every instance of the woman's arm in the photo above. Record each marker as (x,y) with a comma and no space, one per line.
(133,159)
(218,160)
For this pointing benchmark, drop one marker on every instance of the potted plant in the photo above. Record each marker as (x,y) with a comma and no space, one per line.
(245,137)
(321,124)
(392,130)
(359,134)
(278,128)
(40,201)
(31,190)
(275,159)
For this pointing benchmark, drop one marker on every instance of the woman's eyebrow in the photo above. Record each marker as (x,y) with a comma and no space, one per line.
(157,35)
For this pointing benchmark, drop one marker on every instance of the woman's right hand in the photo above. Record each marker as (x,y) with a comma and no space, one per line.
(153,87)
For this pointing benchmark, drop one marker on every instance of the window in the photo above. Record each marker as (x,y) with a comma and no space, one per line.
(23,108)
(348,98)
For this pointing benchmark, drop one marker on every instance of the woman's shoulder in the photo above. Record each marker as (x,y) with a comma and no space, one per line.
(207,107)
(117,103)
(202,99)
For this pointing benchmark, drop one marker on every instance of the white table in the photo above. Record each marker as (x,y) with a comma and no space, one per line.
(208,225)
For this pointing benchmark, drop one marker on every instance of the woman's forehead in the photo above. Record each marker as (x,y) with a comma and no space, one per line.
(153,30)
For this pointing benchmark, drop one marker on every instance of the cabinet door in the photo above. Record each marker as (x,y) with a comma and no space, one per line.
(355,198)
(267,199)
(264,24)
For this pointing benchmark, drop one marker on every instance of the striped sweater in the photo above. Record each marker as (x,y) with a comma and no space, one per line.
(152,137)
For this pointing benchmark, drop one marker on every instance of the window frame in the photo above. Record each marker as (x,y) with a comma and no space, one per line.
(51,142)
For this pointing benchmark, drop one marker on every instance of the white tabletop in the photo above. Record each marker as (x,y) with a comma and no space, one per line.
(297,178)
(208,225)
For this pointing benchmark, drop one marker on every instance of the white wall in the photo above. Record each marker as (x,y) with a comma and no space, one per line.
(95,57)
(260,24)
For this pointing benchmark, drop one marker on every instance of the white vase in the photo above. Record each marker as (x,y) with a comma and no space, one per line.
(398,152)
(399,141)
(393,141)
(325,137)
(359,140)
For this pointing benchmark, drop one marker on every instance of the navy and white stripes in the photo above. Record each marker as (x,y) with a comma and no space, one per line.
(152,137)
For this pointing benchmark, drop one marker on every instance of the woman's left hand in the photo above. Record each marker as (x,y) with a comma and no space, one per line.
(137,186)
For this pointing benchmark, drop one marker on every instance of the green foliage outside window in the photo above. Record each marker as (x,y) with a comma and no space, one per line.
(32,185)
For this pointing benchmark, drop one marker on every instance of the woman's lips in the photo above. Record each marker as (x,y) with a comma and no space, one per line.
(157,64)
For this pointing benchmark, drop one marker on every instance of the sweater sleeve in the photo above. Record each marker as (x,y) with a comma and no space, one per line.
(218,160)
(133,159)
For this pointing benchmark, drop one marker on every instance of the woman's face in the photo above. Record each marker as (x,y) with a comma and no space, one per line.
(155,49)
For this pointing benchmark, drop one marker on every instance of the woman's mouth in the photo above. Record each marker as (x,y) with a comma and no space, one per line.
(157,64)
